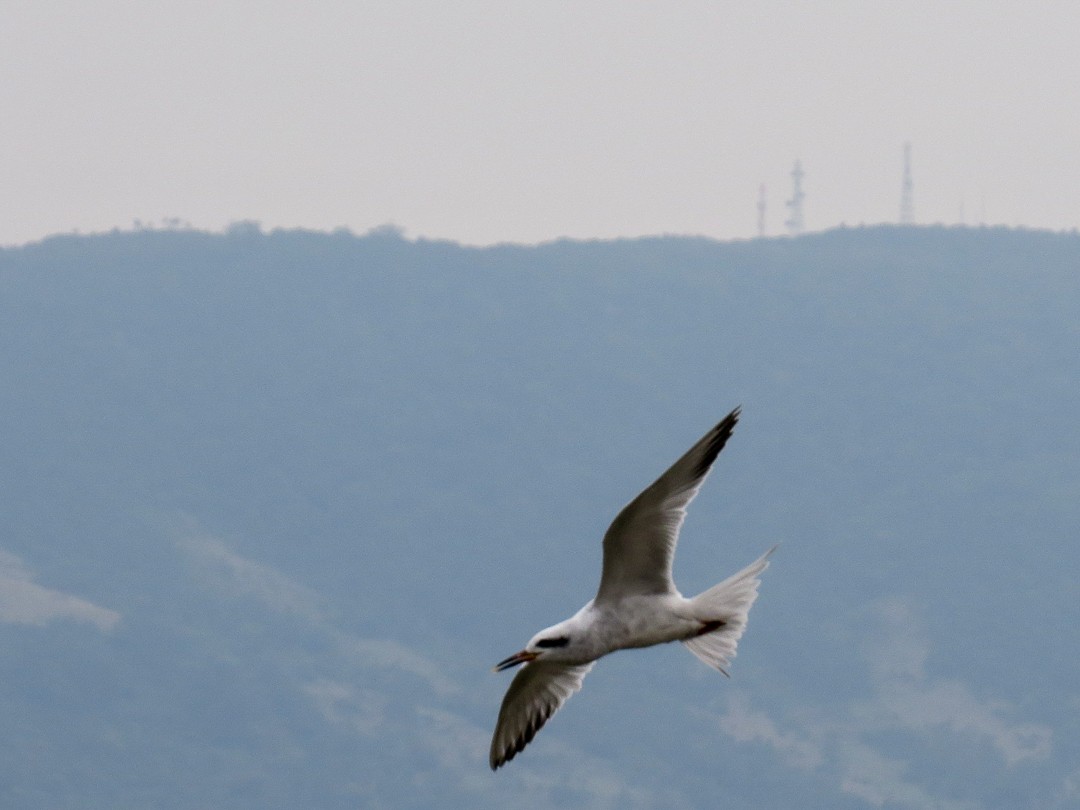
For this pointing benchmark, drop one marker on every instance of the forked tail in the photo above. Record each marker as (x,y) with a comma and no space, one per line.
(723,610)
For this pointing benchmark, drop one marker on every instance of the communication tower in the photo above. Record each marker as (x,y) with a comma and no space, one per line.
(907,199)
(761,211)
(795,204)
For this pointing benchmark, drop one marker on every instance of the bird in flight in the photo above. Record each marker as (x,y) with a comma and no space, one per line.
(637,604)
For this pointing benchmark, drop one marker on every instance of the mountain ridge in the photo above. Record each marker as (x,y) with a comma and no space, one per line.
(324,481)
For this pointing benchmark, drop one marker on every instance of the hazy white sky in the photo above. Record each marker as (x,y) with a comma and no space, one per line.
(526,121)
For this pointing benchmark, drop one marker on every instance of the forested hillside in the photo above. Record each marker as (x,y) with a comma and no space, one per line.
(274,503)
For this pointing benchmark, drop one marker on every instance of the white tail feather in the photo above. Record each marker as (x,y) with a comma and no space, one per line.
(729,602)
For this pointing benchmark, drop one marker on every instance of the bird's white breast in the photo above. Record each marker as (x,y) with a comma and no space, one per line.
(637,621)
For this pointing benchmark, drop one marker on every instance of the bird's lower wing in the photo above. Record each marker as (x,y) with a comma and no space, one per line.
(535,694)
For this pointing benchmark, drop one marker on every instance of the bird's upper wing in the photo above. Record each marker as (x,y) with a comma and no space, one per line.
(640,543)
(535,694)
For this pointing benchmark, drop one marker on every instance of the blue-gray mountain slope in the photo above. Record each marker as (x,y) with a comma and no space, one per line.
(274,503)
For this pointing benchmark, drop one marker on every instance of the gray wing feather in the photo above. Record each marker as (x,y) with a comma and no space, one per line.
(535,694)
(640,543)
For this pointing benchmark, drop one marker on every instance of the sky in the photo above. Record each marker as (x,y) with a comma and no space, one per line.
(487,122)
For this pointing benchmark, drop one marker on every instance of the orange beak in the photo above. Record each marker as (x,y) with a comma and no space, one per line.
(522,657)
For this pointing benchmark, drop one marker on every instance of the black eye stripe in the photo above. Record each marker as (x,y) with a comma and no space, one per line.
(561,641)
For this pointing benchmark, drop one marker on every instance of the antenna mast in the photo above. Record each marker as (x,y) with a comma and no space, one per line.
(795,220)
(761,211)
(907,201)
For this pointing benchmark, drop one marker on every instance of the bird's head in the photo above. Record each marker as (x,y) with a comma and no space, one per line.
(550,644)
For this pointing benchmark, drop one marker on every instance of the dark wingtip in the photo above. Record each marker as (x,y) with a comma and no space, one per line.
(718,437)
(518,745)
